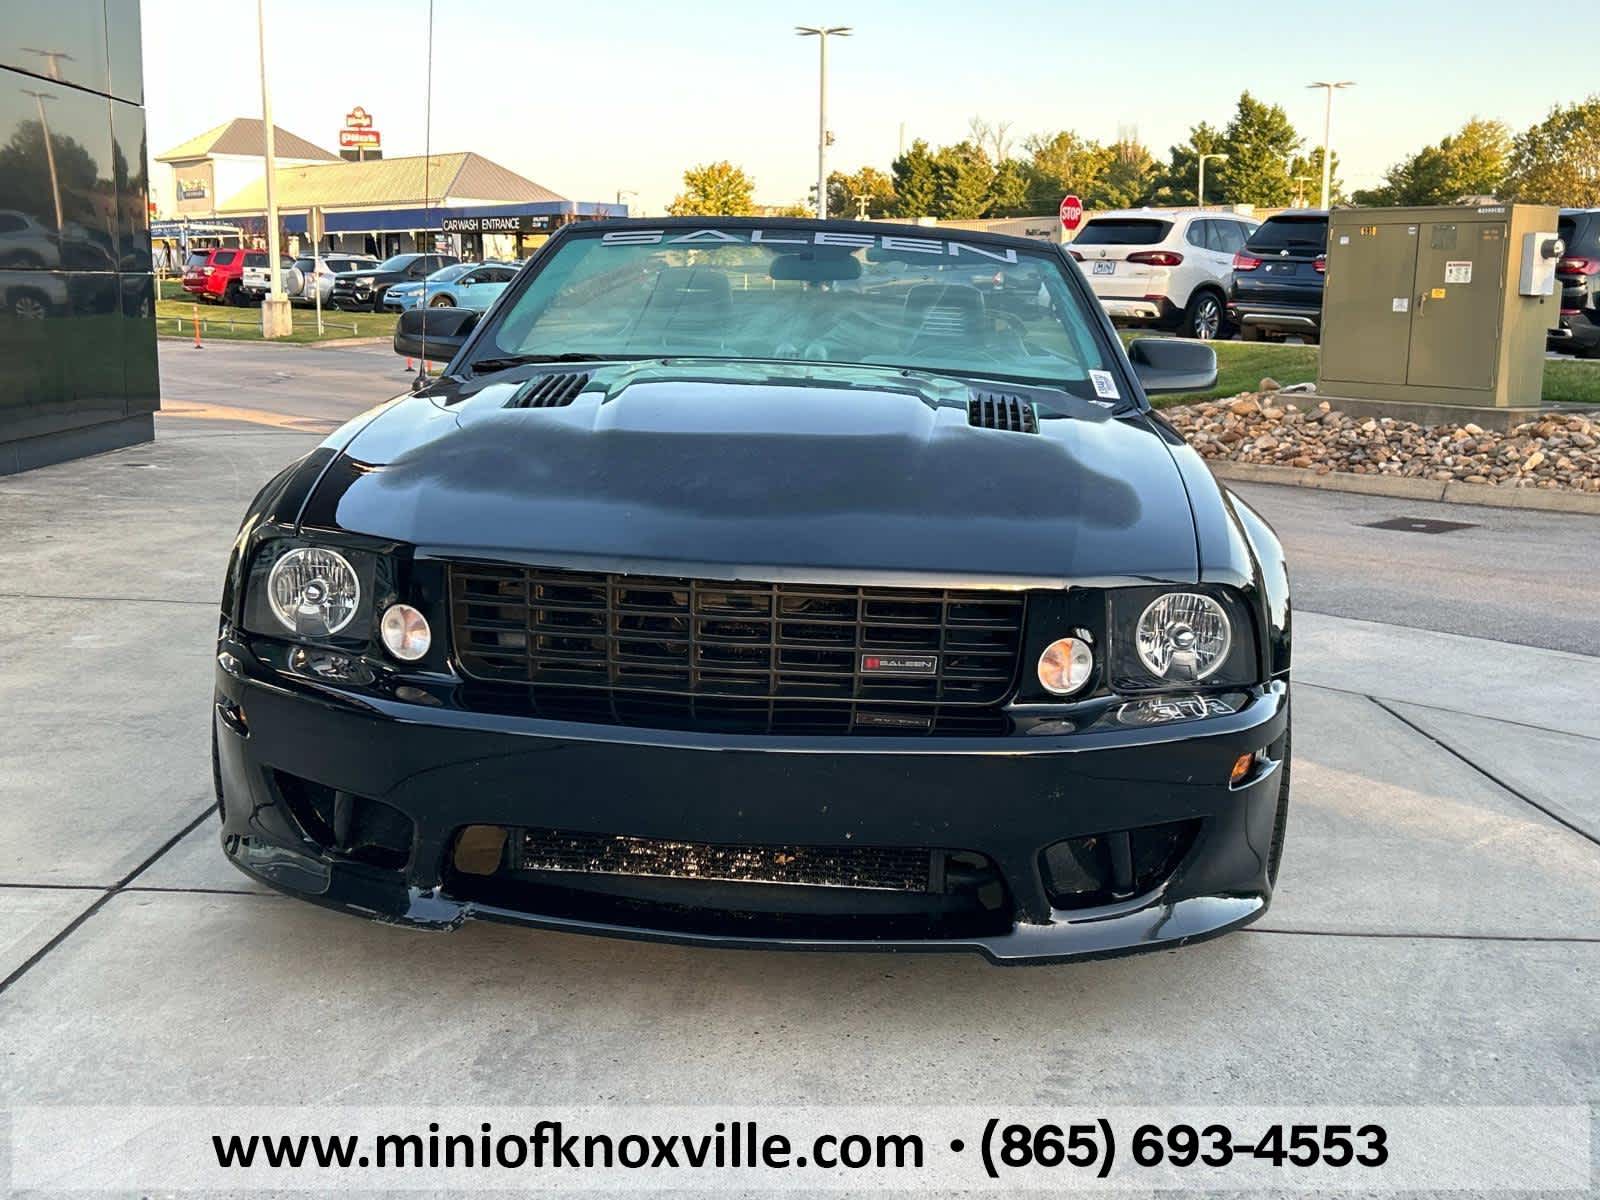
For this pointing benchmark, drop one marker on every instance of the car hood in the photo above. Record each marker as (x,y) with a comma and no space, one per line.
(766,471)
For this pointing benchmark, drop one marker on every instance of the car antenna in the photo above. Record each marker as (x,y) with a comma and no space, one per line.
(421,380)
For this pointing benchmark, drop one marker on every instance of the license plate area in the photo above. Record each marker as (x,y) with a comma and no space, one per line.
(1105,268)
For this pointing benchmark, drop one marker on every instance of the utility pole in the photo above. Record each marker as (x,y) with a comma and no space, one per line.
(1327,131)
(822,33)
(276,320)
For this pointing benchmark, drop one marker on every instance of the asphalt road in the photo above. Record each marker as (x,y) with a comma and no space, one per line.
(1434,939)
(1522,577)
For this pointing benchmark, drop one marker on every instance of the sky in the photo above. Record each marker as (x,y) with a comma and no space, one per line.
(589,100)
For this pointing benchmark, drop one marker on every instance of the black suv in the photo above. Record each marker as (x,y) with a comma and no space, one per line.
(1278,278)
(1579,273)
(365,288)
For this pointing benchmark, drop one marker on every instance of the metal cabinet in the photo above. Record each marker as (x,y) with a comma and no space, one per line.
(1427,305)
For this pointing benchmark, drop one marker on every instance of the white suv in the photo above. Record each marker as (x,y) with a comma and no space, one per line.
(1170,268)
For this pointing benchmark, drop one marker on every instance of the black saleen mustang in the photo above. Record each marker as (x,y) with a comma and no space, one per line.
(778,583)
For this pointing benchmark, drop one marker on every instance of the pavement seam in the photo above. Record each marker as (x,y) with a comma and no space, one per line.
(1458,712)
(147,887)
(1500,641)
(1554,938)
(105,898)
(107,599)
(1555,815)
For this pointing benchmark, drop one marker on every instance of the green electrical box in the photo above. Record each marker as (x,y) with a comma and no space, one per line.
(1439,309)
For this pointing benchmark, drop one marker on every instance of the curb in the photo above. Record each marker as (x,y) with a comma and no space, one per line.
(1437,490)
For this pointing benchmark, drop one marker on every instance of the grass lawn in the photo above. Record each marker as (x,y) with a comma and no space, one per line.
(175,318)
(1241,366)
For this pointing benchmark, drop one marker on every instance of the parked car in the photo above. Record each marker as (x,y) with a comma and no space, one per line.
(311,275)
(363,288)
(1167,269)
(404,295)
(1278,278)
(701,599)
(257,279)
(217,274)
(26,242)
(462,285)
(1579,274)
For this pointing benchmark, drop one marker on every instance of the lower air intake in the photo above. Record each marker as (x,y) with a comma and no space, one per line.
(887,869)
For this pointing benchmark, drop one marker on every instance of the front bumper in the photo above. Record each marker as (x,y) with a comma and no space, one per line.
(1001,797)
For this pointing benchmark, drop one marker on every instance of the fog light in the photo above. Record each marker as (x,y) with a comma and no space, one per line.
(405,632)
(1065,666)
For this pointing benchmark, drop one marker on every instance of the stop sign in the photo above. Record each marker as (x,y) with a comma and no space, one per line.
(1071,212)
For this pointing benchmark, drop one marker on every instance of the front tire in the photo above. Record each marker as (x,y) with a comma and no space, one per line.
(377,299)
(1205,317)
(441,302)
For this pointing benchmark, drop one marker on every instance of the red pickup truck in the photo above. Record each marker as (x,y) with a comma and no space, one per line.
(215,274)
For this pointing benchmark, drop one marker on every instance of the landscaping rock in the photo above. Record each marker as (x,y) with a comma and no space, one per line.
(1559,450)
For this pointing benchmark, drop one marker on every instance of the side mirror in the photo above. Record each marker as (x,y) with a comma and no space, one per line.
(433,333)
(1172,365)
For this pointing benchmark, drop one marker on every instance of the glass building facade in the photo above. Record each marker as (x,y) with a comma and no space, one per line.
(77,295)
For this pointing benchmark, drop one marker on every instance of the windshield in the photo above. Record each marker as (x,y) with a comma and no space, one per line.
(450,274)
(800,293)
(398,263)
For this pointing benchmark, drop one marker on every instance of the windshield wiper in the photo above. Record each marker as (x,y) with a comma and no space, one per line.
(482,365)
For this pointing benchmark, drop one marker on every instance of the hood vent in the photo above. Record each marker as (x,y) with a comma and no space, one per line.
(549,391)
(1001,410)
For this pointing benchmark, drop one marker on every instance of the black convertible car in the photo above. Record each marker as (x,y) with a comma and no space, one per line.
(778,583)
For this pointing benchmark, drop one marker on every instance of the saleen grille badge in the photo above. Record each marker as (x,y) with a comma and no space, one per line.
(899,664)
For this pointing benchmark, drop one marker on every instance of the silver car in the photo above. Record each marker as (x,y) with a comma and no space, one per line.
(298,280)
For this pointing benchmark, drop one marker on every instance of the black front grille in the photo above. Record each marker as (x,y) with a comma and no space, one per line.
(646,650)
(899,869)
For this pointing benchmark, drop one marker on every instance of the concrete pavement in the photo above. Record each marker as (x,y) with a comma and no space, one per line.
(1436,937)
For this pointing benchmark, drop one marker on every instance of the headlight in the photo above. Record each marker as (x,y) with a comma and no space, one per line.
(313,592)
(1183,636)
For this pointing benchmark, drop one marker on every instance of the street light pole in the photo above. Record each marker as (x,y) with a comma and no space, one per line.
(275,319)
(822,33)
(1200,188)
(1327,131)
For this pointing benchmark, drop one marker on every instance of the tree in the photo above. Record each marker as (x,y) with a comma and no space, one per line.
(1305,177)
(1060,163)
(1008,192)
(1259,142)
(1558,160)
(962,177)
(915,182)
(1176,184)
(995,139)
(845,193)
(1129,177)
(1470,162)
(717,189)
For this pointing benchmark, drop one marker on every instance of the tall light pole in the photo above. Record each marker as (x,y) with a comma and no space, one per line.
(621,192)
(275,318)
(822,33)
(1200,188)
(49,155)
(1327,131)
